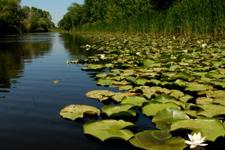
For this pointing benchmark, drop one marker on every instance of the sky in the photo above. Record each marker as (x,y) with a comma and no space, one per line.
(57,8)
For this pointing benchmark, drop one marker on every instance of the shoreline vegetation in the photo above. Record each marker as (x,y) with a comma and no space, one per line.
(160,16)
(15,19)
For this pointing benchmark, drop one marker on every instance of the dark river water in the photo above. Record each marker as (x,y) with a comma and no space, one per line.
(30,102)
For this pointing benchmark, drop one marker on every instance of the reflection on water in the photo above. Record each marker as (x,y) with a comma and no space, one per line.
(74,49)
(17,50)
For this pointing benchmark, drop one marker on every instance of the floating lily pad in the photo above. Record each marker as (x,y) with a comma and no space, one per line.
(210,128)
(141,81)
(148,62)
(152,108)
(211,110)
(204,100)
(185,98)
(164,118)
(198,87)
(119,96)
(112,110)
(100,95)
(163,98)
(73,112)
(93,67)
(104,82)
(157,140)
(153,91)
(176,93)
(109,129)
(125,87)
(134,100)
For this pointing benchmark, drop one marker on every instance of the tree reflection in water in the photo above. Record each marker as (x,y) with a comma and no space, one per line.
(15,51)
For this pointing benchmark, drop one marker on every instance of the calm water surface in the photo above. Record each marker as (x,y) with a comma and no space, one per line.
(30,102)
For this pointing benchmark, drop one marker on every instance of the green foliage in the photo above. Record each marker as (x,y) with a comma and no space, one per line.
(15,19)
(201,16)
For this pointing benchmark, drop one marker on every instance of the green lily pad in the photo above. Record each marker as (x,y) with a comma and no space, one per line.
(184,76)
(180,83)
(112,110)
(119,96)
(219,94)
(152,108)
(100,95)
(204,100)
(73,112)
(134,100)
(157,140)
(185,98)
(198,87)
(90,67)
(141,81)
(104,82)
(125,87)
(153,91)
(109,129)
(164,118)
(211,110)
(176,93)
(210,128)
(164,98)
(148,62)
(220,101)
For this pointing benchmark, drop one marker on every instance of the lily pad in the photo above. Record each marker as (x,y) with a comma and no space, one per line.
(164,98)
(210,128)
(141,81)
(157,140)
(112,110)
(176,93)
(119,96)
(104,82)
(134,100)
(198,87)
(73,112)
(90,67)
(148,62)
(164,118)
(109,129)
(204,100)
(211,110)
(100,95)
(152,108)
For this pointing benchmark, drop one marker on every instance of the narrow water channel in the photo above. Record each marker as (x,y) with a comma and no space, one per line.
(30,101)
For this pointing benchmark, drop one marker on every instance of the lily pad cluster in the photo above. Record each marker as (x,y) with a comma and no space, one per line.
(179,83)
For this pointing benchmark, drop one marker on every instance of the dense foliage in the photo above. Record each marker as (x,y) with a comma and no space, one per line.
(17,19)
(174,85)
(202,16)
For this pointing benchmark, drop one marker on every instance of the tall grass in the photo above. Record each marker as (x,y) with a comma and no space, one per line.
(186,16)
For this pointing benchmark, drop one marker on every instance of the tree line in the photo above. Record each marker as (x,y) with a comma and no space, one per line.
(16,19)
(202,16)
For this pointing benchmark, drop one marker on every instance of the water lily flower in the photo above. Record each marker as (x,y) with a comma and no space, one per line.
(204,45)
(196,140)
(102,56)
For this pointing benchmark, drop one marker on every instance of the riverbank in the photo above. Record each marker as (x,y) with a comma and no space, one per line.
(157,76)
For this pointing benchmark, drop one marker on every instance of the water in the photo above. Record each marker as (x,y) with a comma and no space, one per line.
(29,100)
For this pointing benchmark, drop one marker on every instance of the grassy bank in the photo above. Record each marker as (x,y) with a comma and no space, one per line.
(186,16)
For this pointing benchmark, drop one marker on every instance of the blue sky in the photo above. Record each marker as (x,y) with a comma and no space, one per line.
(57,8)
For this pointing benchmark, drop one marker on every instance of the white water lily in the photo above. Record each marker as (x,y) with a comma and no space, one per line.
(196,140)
(102,56)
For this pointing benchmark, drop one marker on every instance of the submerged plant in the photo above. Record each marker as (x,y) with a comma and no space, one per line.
(196,139)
